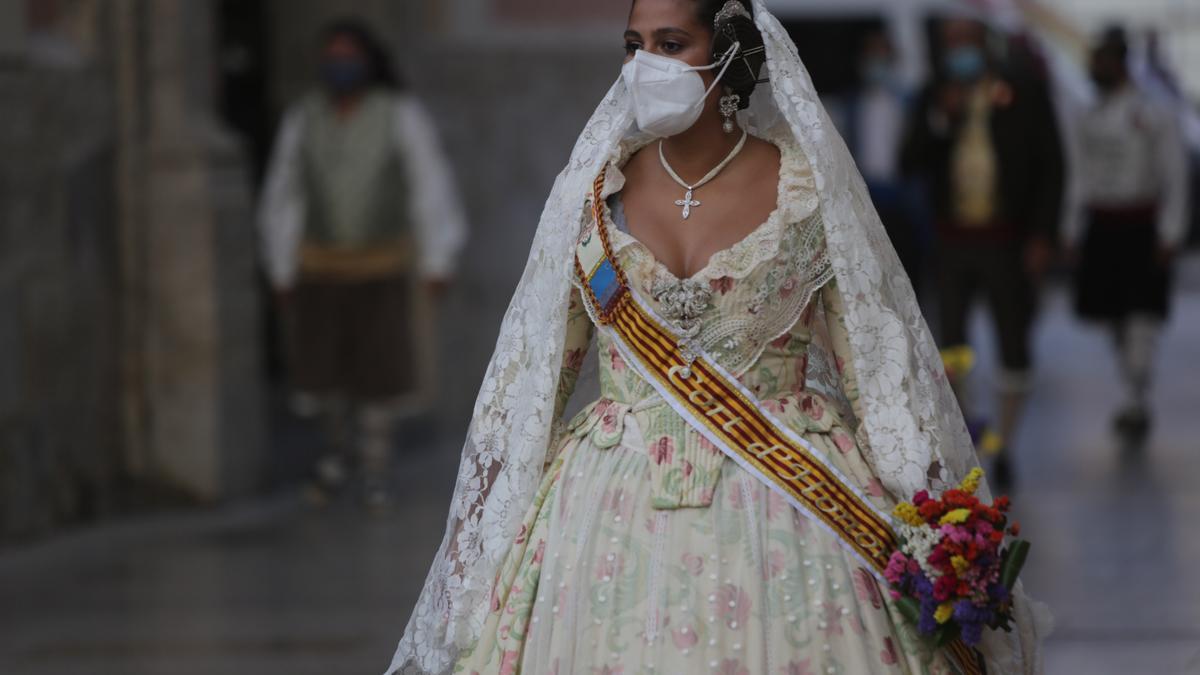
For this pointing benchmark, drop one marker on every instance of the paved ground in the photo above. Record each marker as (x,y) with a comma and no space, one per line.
(277,587)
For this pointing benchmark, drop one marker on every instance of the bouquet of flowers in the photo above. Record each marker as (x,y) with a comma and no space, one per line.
(952,574)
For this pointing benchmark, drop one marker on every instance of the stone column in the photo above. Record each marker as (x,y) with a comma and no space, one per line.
(202,393)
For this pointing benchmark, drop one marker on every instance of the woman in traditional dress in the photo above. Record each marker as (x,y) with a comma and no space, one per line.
(712,243)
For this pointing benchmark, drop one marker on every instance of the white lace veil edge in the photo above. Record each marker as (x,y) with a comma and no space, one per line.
(912,423)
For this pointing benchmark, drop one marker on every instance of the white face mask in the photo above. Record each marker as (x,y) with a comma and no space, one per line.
(668,94)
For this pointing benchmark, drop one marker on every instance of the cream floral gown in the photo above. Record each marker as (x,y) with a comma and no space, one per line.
(646,551)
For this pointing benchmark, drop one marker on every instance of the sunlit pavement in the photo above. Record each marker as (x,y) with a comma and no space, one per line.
(280,587)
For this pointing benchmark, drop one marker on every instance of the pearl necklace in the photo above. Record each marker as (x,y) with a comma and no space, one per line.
(687,202)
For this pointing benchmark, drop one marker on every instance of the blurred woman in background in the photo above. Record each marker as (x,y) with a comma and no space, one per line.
(361,226)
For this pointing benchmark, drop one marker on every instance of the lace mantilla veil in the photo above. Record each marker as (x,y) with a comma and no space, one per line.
(915,435)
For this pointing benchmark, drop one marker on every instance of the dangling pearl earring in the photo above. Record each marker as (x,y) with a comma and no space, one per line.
(729,107)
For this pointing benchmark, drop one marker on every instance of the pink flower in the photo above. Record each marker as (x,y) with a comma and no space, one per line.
(801,372)
(788,287)
(774,563)
(505,630)
(831,613)
(615,361)
(693,563)
(776,405)
(521,534)
(721,285)
(508,662)
(574,359)
(731,667)
(540,552)
(888,655)
(956,533)
(806,316)
(706,444)
(812,407)
(866,588)
(609,420)
(781,341)
(843,441)
(896,568)
(662,450)
(798,667)
(612,500)
(875,487)
(856,625)
(610,569)
(684,638)
(687,468)
(737,499)
(732,605)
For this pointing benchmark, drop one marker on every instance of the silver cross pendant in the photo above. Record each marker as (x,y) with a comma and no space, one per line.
(687,203)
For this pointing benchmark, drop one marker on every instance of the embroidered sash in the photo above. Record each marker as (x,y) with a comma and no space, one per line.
(716,405)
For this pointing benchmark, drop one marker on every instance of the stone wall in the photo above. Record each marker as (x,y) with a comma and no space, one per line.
(130,370)
(59,362)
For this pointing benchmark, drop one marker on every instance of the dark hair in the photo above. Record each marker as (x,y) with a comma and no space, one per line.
(743,74)
(379,61)
(1114,41)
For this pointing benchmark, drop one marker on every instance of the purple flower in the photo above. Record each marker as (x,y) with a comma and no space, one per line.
(972,633)
(927,624)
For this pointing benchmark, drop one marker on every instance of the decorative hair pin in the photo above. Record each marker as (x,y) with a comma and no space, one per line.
(731,9)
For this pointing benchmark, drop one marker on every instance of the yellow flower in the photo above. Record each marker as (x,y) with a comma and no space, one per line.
(971,483)
(944,612)
(991,443)
(960,564)
(956,516)
(908,513)
(958,361)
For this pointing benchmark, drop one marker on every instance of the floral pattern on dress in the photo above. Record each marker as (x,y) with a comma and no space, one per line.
(648,552)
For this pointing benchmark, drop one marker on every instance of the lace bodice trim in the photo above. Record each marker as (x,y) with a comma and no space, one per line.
(797,201)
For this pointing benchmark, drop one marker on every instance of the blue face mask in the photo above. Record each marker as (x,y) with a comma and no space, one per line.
(877,72)
(965,64)
(344,77)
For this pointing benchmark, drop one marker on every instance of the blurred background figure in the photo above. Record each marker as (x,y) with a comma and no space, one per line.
(987,145)
(874,123)
(361,226)
(1128,218)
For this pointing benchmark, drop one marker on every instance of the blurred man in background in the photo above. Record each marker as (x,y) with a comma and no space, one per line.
(986,143)
(1128,218)
(360,225)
